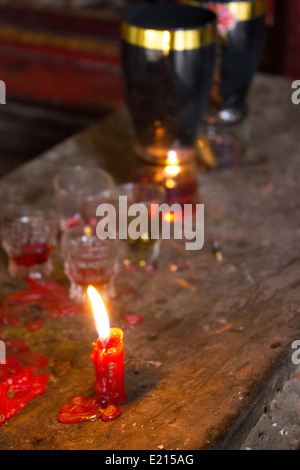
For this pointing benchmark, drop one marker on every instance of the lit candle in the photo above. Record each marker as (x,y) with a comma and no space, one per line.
(108,353)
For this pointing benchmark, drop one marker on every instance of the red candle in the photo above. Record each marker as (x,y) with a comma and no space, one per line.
(108,354)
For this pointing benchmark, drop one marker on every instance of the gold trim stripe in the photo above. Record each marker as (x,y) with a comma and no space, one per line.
(180,40)
(244,11)
(249,10)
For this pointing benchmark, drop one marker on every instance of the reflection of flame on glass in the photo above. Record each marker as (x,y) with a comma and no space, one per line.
(172,168)
(206,153)
(159,132)
(166,42)
(101,318)
(170,217)
(150,36)
(170,183)
(87,231)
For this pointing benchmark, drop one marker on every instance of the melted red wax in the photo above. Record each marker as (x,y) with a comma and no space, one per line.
(18,382)
(35,325)
(31,306)
(83,409)
(34,360)
(109,367)
(16,345)
(18,348)
(35,253)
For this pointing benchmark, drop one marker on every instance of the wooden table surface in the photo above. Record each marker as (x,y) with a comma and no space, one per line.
(215,340)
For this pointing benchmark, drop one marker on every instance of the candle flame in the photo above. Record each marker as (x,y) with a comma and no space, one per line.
(172,170)
(166,42)
(172,157)
(100,314)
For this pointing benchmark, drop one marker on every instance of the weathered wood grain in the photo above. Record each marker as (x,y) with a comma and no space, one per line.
(215,340)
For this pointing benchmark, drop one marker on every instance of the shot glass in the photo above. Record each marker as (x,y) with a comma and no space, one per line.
(89,260)
(77,191)
(28,237)
(139,249)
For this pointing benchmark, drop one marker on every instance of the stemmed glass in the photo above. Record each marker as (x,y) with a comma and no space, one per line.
(224,137)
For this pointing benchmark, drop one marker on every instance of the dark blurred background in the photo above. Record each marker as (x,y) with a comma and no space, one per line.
(60,62)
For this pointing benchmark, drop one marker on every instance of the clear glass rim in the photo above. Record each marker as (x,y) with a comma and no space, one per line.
(136,14)
(82,230)
(77,168)
(14,213)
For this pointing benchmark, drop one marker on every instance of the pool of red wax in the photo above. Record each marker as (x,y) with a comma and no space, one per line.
(18,382)
(133,319)
(83,409)
(30,307)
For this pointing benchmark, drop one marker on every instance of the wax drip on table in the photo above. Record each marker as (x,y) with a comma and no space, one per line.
(31,307)
(108,359)
(133,319)
(83,409)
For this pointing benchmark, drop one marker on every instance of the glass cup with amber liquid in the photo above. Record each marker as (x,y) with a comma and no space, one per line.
(135,206)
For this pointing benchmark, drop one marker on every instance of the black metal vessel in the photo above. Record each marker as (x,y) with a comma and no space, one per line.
(168,53)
